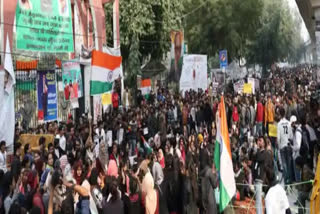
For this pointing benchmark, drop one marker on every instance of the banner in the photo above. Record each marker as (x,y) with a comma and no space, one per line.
(223,59)
(177,51)
(71,79)
(47,96)
(252,82)
(97,109)
(238,86)
(44,25)
(194,73)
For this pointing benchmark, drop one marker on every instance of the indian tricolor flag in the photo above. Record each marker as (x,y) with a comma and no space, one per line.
(223,159)
(145,86)
(105,68)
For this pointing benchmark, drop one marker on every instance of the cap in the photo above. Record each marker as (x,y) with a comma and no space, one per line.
(293,119)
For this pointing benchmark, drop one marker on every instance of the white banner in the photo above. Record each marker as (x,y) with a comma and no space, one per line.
(257,85)
(252,82)
(194,73)
(97,108)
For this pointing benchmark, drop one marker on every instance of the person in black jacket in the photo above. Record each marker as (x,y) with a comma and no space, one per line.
(208,182)
(263,161)
(171,184)
(190,188)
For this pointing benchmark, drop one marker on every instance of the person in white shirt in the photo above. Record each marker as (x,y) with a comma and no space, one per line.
(276,200)
(3,157)
(284,135)
(100,132)
(62,139)
(297,138)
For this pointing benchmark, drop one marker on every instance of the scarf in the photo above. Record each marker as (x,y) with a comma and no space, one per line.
(75,168)
(161,159)
(151,194)
(112,169)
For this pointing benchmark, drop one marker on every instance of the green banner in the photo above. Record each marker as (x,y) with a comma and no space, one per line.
(44,25)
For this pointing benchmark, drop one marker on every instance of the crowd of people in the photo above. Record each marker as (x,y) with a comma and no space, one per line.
(157,157)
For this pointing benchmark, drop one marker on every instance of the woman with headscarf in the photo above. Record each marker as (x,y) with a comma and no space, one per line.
(113,169)
(78,172)
(149,195)
(161,158)
(182,149)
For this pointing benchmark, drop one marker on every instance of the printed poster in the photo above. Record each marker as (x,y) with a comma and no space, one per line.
(72,80)
(252,82)
(47,96)
(177,51)
(194,73)
(44,25)
(215,86)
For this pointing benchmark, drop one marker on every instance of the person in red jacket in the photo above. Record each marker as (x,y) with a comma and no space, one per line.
(235,115)
(259,118)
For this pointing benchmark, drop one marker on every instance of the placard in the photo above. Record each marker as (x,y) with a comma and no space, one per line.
(72,80)
(272,130)
(247,88)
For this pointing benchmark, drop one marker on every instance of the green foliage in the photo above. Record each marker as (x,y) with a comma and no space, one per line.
(278,38)
(145,27)
(222,24)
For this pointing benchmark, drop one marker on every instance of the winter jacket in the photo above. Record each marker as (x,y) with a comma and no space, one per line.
(259,114)
(269,113)
(208,184)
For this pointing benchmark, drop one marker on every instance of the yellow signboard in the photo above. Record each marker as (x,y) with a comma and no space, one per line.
(247,88)
(272,130)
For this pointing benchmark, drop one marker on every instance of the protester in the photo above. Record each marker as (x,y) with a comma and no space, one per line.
(157,156)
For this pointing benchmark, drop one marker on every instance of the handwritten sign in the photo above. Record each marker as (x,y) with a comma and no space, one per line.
(272,130)
(247,88)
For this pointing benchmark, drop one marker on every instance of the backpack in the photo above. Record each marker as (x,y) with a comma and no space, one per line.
(305,143)
(248,115)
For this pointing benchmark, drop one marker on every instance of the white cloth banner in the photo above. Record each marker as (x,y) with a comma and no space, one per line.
(194,73)
(97,108)
(7,114)
(252,81)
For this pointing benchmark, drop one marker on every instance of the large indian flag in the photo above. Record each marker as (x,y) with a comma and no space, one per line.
(223,159)
(105,69)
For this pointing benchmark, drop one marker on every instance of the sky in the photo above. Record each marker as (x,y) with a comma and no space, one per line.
(304,31)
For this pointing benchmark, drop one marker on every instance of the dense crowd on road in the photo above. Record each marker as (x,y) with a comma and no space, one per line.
(157,157)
